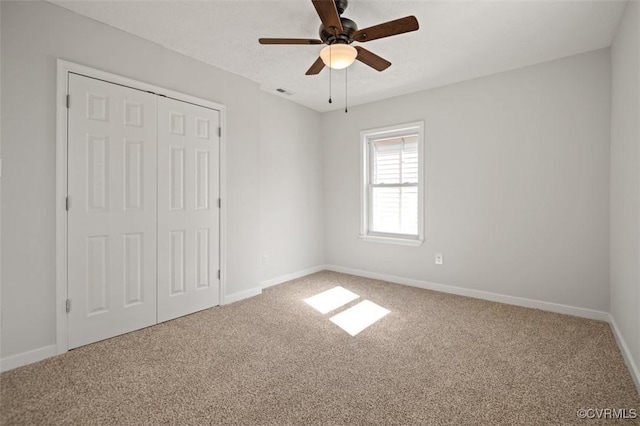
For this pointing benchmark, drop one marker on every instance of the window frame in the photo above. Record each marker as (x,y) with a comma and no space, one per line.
(366,170)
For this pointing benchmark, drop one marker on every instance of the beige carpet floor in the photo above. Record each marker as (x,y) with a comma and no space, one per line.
(273,360)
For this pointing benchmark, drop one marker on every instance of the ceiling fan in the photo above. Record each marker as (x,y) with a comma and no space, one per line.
(338,33)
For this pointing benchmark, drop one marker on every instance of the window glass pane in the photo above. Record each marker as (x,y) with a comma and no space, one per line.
(395,160)
(395,210)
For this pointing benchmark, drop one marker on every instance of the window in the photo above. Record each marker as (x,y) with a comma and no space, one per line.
(392,184)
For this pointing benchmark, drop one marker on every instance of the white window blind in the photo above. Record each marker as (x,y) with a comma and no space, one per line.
(393,186)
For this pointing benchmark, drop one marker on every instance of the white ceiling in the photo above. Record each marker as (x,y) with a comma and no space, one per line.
(457,40)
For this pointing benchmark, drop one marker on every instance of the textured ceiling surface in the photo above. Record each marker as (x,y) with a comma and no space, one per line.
(457,40)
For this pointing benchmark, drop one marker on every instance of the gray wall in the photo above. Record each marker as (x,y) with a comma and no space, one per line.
(291,196)
(34,35)
(517,183)
(625,179)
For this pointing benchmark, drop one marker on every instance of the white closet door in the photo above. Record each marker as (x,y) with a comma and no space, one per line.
(188,213)
(112,216)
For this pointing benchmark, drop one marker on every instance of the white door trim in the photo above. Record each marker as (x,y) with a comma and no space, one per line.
(63,70)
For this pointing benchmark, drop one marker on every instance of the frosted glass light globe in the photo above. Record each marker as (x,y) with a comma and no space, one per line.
(338,56)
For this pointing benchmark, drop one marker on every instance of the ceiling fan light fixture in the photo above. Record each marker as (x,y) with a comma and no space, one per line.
(338,56)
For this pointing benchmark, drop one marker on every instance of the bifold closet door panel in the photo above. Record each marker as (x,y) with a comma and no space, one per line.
(188,213)
(112,168)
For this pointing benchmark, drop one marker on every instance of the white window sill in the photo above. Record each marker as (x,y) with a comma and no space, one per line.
(391,240)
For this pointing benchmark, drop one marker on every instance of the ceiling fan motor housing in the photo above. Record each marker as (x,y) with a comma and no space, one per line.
(348,29)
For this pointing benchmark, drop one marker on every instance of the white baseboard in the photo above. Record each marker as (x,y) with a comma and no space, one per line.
(626,353)
(292,276)
(236,297)
(478,294)
(25,358)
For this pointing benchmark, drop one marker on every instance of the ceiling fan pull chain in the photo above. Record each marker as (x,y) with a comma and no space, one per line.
(330,74)
(346,73)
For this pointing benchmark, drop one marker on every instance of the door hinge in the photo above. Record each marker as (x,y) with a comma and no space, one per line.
(219,203)
(67,203)
(68,101)
(218,273)
(220,132)
(68,305)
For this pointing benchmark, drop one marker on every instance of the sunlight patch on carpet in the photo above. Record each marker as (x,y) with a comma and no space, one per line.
(331,299)
(359,317)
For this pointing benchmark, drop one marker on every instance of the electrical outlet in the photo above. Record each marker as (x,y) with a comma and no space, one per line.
(439,259)
(265,260)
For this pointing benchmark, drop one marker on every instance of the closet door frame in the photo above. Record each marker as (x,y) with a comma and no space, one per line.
(64,68)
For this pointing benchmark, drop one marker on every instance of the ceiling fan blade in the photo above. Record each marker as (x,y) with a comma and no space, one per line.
(328,14)
(289,41)
(399,26)
(317,66)
(371,59)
